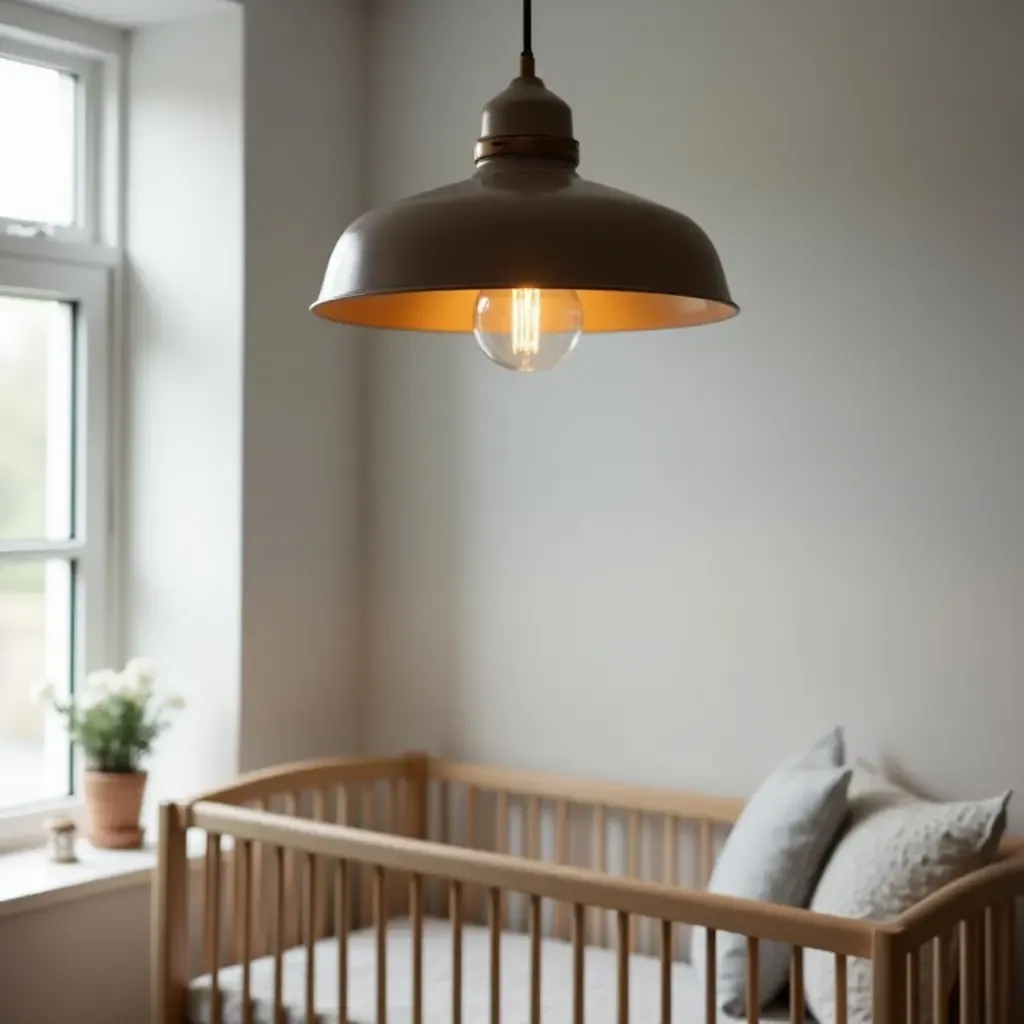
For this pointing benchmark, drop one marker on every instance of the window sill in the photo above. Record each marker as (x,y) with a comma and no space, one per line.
(29,880)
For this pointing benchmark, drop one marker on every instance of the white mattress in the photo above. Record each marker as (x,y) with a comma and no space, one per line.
(556,982)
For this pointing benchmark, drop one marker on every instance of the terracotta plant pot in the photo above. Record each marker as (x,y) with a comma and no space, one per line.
(113,803)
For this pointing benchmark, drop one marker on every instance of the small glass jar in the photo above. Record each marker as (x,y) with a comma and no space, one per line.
(61,840)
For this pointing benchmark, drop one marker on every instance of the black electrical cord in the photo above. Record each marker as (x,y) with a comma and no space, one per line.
(527,28)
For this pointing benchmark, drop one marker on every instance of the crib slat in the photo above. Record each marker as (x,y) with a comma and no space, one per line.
(561,854)
(842,1001)
(622,959)
(310,933)
(991,962)
(940,991)
(231,906)
(366,806)
(389,824)
(342,914)
(416,913)
(536,923)
(471,891)
(1005,970)
(443,892)
(495,946)
(501,840)
(579,938)
(710,976)
(213,869)
(209,908)
(533,828)
(342,905)
(753,979)
(532,844)
(280,885)
(599,865)
(670,853)
(706,858)
(966,981)
(380,913)
(501,822)
(666,972)
(913,987)
(391,806)
(471,803)
(456,919)
(293,929)
(633,868)
(320,814)
(796,986)
(970,989)
(1011,959)
(366,821)
(444,804)
(244,855)
(259,892)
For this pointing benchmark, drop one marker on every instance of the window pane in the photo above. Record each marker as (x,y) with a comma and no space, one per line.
(36,413)
(37,130)
(35,643)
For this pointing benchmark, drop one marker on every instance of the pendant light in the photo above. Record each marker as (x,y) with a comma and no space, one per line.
(525,253)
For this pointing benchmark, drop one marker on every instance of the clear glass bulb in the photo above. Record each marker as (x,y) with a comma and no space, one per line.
(528,329)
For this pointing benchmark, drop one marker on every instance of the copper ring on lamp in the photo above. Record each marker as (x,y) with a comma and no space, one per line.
(547,147)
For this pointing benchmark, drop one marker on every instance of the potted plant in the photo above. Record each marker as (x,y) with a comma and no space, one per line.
(114,721)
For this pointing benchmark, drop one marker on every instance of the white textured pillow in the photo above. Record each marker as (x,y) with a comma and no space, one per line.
(897,850)
(774,853)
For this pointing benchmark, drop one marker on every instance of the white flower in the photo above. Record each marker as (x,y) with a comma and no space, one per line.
(102,682)
(138,678)
(91,696)
(175,703)
(42,691)
(144,670)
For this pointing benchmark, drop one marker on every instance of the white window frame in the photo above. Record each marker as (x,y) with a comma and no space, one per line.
(89,547)
(81,264)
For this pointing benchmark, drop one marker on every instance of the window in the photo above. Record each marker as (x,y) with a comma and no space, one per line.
(56,368)
(38,125)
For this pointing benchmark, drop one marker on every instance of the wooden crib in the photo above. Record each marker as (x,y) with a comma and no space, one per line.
(351,858)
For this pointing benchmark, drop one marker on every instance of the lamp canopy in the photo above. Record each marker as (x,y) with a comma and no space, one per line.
(525,218)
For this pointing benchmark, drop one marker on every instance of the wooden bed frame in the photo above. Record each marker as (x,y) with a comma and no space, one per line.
(303,851)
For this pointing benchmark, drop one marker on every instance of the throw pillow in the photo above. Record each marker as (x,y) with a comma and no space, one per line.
(774,853)
(897,850)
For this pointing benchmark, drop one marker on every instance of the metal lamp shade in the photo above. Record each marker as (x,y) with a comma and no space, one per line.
(525,219)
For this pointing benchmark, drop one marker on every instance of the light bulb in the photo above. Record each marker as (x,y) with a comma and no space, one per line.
(528,329)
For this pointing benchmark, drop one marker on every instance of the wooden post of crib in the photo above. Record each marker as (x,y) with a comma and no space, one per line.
(170,921)
(889,980)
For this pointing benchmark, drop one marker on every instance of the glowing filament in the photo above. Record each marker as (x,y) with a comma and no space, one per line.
(525,321)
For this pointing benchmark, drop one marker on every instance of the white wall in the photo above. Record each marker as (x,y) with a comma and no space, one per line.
(185,345)
(86,961)
(244,463)
(681,556)
(301,569)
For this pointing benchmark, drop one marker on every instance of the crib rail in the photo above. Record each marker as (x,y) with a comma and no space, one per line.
(552,882)
(642,799)
(315,776)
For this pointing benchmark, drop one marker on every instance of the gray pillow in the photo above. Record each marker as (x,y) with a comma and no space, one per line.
(775,853)
(896,851)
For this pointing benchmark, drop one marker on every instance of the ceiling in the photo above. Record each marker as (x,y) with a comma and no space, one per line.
(132,12)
